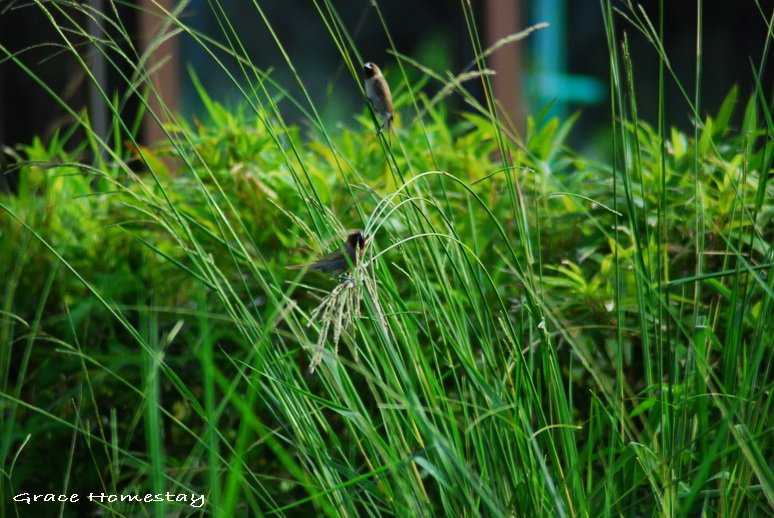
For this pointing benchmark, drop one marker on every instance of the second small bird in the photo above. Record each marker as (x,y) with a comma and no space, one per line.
(338,262)
(378,93)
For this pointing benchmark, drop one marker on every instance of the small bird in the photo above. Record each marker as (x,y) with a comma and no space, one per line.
(378,94)
(338,262)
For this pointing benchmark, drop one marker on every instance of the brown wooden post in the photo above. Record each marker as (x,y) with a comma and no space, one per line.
(502,18)
(164,60)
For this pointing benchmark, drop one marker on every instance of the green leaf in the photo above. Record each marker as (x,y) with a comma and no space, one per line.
(725,112)
(750,121)
(706,137)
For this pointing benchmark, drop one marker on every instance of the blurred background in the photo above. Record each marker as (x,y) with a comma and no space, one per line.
(564,66)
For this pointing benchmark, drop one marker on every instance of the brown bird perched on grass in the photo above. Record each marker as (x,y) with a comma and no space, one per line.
(338,262)
(378,94)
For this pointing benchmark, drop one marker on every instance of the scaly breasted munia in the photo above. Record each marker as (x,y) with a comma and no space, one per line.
(338,262)
(378,94)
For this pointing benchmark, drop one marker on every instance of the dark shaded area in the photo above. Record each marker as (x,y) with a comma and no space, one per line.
(733,40)
(431,31)
(27,110)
